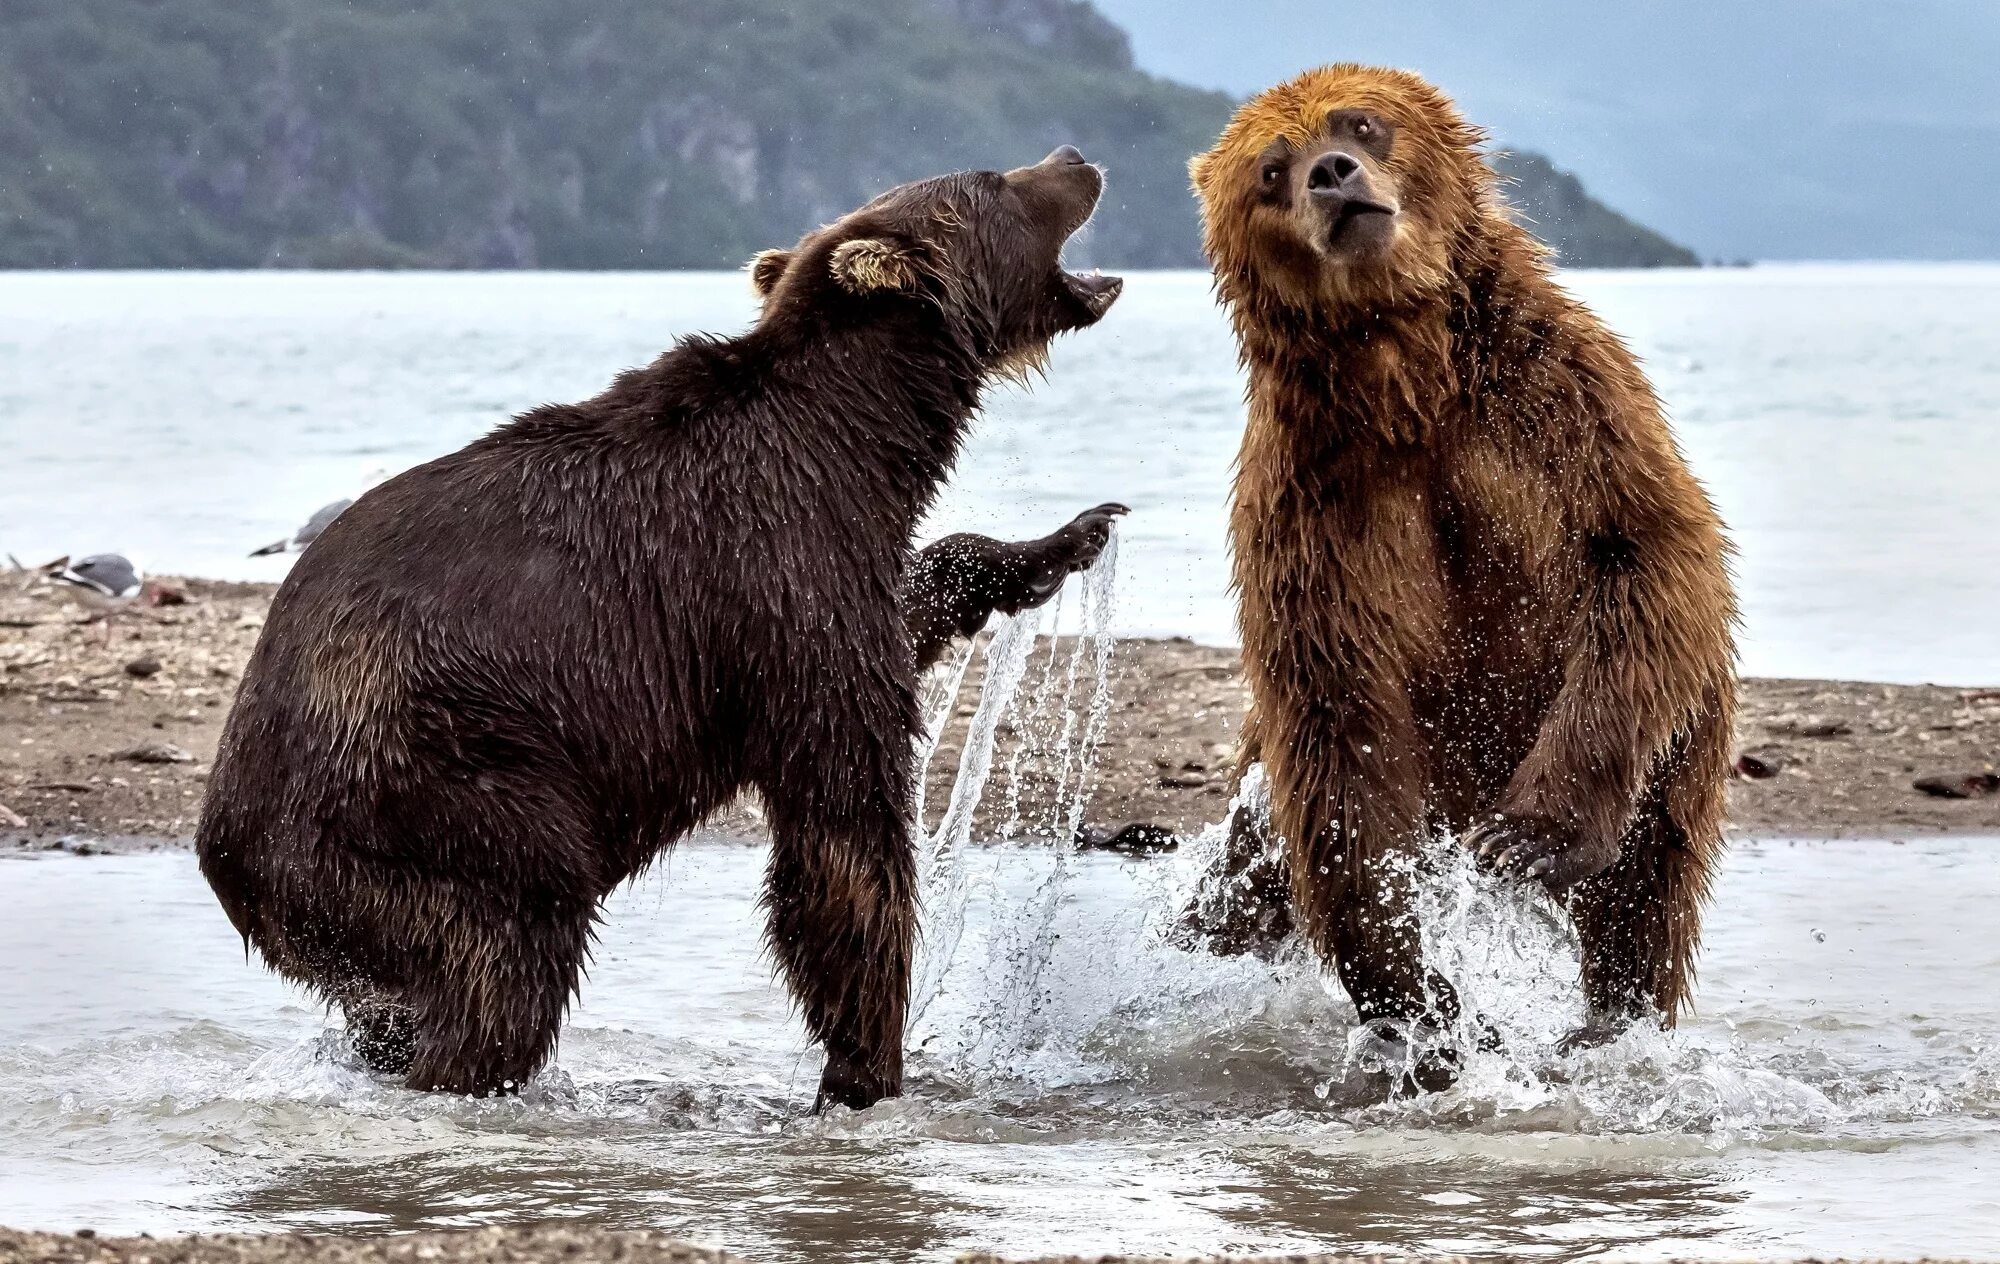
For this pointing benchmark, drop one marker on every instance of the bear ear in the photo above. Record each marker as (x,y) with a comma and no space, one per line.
(868,264)
(766,268)
(1198,168)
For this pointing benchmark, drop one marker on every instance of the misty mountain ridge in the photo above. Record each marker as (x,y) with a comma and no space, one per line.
(629,134)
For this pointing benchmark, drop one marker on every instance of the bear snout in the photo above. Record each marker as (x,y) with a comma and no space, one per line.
(1348,201)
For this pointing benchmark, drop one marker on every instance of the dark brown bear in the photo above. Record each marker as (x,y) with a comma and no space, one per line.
(503,682)
(1480,590)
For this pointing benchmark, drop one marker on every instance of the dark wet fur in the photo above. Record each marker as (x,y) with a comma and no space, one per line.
(502,683)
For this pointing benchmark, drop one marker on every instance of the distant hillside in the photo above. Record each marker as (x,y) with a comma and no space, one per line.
(1584,232)
(545,133)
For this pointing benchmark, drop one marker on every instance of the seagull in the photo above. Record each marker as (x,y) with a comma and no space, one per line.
(321,519)
(103,583)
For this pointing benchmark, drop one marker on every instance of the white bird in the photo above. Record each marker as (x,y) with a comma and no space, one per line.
(321,519)
(103,583)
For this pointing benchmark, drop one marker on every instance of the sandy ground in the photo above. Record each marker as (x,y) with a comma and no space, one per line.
(105,742)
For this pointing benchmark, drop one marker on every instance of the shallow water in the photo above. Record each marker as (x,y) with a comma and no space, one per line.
(1843,415)
(1838,1092)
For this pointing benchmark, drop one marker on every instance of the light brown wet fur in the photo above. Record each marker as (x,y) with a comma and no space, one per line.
(1479,588)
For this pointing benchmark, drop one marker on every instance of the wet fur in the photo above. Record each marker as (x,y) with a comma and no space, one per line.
(501,684)
(1476,578)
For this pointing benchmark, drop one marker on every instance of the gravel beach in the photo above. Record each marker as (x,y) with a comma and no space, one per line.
(106,744)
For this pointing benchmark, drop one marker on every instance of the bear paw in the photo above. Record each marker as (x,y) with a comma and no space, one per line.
(1528,847)
(1416,1057)
(1039,567)
(843,1083)
(1599,1031)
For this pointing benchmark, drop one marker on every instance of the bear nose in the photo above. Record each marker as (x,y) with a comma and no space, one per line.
(1330,173)
(1064,156)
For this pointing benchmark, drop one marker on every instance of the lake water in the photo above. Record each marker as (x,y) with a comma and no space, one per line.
(1075,1085)
(1847,419)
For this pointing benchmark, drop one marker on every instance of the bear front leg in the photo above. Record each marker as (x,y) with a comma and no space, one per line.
(1650,650)
(841,897)
(842,925)
(1555,850)
(954,586)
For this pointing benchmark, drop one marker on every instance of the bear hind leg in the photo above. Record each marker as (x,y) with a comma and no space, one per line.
(842,903)
(1638,923)
(383,1033)
(488,1017)
(1378,956)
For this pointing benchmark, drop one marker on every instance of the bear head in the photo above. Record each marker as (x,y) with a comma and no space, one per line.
(977,253)
(1347,185)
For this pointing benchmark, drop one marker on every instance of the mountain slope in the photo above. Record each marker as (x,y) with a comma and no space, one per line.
(1583,232)
(541,133)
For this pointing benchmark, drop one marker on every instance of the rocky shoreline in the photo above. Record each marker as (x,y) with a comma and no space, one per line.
(555,1243)
(105,742)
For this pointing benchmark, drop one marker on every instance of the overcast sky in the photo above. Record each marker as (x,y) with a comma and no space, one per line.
(1752,128)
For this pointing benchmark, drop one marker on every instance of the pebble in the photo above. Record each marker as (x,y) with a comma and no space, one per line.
(1761,764)
(1812,726)
(154,753)
(1962,785)
(1135,838)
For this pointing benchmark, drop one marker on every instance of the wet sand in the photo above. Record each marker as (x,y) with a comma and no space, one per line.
(107,745)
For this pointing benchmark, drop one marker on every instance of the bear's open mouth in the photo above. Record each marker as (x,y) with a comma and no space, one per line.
(1093,291)
(1096,291)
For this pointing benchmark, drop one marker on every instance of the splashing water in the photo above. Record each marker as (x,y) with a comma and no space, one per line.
(1172,1101)
(1053,742)
(1514,961)
(941,873)
(1094,1004)
(937,699)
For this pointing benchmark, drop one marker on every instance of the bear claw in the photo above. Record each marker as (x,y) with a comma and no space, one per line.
(1533,848)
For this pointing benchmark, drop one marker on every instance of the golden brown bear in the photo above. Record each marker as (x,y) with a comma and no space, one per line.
(1480,590)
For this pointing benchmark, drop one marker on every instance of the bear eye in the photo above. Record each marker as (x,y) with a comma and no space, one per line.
(1364,127)
(1272,171)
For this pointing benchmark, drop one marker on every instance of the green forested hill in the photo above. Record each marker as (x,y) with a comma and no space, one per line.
(1583,231)
(551,133)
